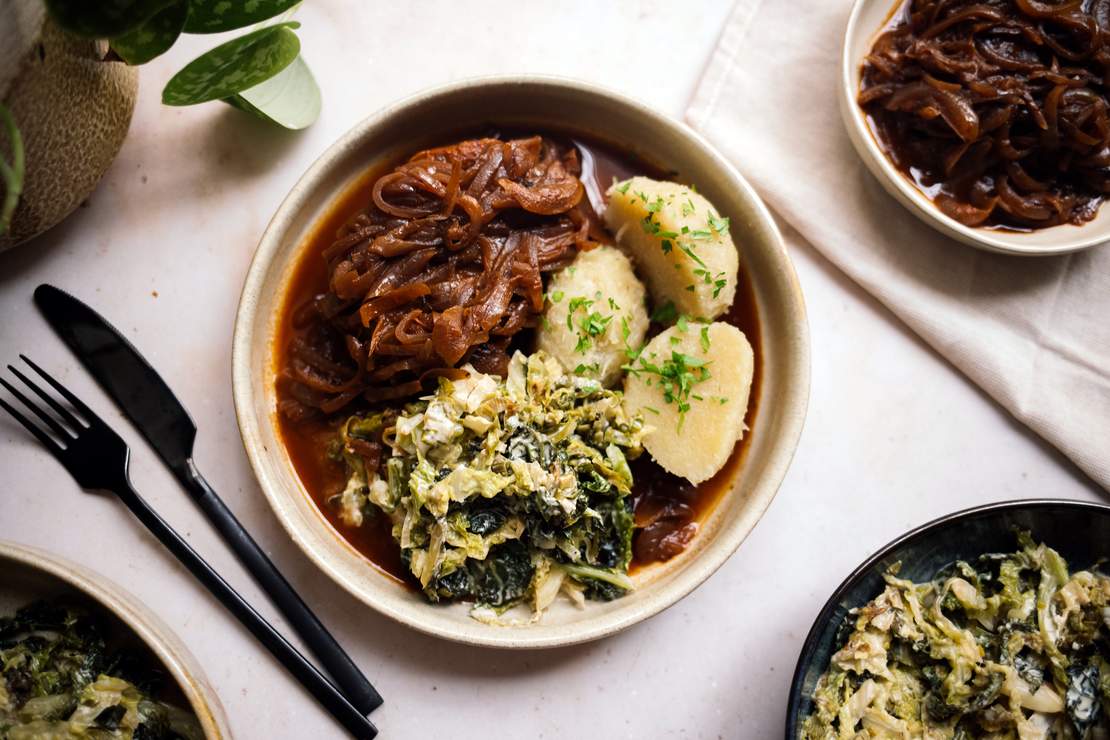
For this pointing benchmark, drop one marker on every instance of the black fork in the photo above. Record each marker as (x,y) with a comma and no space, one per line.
(97,458)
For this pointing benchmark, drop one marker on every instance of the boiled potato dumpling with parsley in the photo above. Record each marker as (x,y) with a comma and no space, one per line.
(691,385)
(679,241)
(596,311)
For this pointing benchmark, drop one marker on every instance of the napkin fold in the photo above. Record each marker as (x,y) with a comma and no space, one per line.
(1033,332)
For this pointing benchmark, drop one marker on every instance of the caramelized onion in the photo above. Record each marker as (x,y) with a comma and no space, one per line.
(443,267)
(998,108)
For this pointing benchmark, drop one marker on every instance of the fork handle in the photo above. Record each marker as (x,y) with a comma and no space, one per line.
(334,659)
(316,684)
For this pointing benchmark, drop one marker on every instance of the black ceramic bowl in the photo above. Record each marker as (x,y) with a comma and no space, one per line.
(1080,531)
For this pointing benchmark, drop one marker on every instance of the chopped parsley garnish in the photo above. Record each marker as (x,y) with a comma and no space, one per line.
(717,282)
(705,338)
(677,376)
(593,324)
(626,332)
(622,189)
(688,208)
(576,303)
(692,254)
(718,224)
(556,296)
(582,368)
(651,226)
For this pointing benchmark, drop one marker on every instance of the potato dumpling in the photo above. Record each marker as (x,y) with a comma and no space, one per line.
(696,416)
(678,241)
(595,311)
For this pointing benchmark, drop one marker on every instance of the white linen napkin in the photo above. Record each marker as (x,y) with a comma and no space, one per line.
(1034,333)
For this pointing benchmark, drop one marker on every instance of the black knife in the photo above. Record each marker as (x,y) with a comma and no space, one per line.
(152,407)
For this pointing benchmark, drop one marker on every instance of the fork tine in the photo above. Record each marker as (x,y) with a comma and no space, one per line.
(46,418)
(74,401)
(42,436)
(61,410)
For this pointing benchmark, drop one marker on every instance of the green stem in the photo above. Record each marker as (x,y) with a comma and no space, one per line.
(12,174)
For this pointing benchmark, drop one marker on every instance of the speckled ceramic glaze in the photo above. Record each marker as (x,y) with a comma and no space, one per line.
(27,574)
(436,117)
(1080,531)
(867,19)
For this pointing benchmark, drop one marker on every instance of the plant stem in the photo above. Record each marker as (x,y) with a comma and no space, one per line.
(12,174)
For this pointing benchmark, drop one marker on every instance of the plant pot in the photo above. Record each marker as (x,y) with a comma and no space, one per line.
(72,108)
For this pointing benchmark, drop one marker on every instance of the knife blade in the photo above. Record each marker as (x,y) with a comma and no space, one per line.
(143,396)
(124,374)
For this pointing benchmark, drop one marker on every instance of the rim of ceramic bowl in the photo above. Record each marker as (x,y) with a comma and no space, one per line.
(730,535)
(820,624)
(155,634)
(1066,237)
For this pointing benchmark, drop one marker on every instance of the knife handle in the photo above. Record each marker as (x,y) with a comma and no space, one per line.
(316,684)
(334,659)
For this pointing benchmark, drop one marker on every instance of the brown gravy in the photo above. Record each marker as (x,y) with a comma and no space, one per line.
(672,504)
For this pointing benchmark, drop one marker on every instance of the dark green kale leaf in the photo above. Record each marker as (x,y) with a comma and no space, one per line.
(504,576)
(136,670)
(1082,699)
(938,709)
(484,519)
(602,591)
(1031,668)
(605,540)
(528,445)
(502,579)
(109,717)
(987,693)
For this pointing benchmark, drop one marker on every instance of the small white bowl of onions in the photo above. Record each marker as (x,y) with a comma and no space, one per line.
(992,146)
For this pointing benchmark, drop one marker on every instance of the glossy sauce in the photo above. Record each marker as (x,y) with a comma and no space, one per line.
(671,506)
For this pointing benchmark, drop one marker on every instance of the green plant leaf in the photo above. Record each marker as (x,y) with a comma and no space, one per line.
(10,174)
(103,18)
(154,37)
(290,98)
(214,16)
(235,66)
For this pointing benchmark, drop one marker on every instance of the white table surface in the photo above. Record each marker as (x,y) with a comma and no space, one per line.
(894,435)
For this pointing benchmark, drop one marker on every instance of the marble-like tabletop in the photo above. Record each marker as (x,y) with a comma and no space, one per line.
(894,437)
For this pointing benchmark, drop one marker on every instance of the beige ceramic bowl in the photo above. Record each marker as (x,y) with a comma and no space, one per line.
(538,103)
(27,574)
(867,19)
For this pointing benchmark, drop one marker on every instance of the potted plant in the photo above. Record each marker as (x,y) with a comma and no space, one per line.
(69,79)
